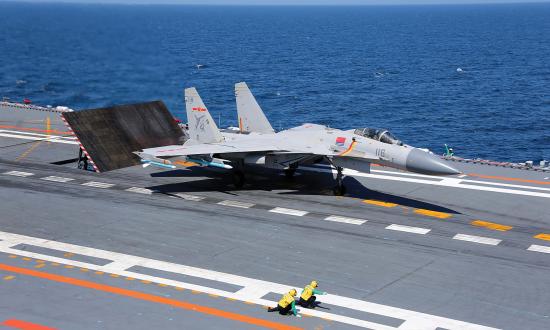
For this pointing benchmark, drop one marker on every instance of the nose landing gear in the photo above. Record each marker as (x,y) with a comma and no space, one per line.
(339,189)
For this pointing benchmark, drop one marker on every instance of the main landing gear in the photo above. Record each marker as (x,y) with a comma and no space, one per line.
(290,171)
(339,189)
(238,179)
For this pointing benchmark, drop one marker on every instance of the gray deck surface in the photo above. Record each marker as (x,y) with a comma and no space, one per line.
(502,286)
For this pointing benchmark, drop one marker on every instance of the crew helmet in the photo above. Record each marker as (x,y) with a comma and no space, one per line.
(292,292)
(313,284)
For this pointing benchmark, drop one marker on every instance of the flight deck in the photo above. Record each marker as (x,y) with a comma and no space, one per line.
(151,248)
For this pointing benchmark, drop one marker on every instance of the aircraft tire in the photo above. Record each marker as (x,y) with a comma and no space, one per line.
(339,190)
(238,179)
(289,174)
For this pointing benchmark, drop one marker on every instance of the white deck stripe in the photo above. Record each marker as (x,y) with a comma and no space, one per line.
(56,179)
(353,221)
(18,173)
(52,138)
(450,182)
(282,210)
(506,185)
(243,205)
(539,248)
(65,137)
(98,184)
(190,197)
(409,229)
(253,289)
(477,239)
(139,190)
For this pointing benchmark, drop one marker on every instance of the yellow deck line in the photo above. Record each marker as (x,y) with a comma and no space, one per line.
(434,214)
(543,236)
(379,203)
(28,151)
(490,225)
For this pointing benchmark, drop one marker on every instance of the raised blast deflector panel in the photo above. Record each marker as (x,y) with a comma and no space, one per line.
(110,135)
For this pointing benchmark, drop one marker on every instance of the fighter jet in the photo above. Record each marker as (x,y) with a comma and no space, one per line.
(256,143)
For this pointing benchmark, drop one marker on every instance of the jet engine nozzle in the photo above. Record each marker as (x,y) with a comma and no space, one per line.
(427,163)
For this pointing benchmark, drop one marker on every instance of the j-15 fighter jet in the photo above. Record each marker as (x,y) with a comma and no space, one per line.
(256,143)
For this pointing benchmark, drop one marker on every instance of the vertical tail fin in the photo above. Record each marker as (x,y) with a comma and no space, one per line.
(251,116)
(202,127)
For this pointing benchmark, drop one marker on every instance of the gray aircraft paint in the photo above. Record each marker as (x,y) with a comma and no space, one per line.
(306,143)
(202,127)
(251,118)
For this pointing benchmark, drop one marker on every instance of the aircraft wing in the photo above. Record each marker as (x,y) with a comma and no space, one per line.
(331,151)
(255,146)
(209,148)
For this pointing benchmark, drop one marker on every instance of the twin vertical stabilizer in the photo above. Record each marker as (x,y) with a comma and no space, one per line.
(250,115)
(202,127)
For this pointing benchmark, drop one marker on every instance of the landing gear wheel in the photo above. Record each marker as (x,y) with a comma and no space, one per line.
(238,179)
(339,190)
(289,174)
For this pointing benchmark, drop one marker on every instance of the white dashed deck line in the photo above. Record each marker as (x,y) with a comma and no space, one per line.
(353,221)
(190,197)
(18,173)
(242,205)
(56,179)
(539,248)
(251,288)
(409,229)
(138,190)
(477,239)
(282,210)
(95,184)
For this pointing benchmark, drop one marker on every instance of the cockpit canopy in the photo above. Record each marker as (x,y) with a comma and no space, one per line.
(378,134)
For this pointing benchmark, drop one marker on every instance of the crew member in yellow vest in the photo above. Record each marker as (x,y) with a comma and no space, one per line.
(286,304)
(307,298)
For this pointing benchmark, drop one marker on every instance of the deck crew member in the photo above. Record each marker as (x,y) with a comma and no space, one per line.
(448,151)
(286,304)
(307,298)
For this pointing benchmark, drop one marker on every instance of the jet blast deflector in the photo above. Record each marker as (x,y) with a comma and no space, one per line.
(109,136)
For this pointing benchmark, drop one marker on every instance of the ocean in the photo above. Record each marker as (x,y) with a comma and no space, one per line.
(476,77)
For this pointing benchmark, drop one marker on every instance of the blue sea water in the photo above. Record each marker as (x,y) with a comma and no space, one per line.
(393,67)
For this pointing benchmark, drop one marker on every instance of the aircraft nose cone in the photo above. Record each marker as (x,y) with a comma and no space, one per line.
(426,163)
